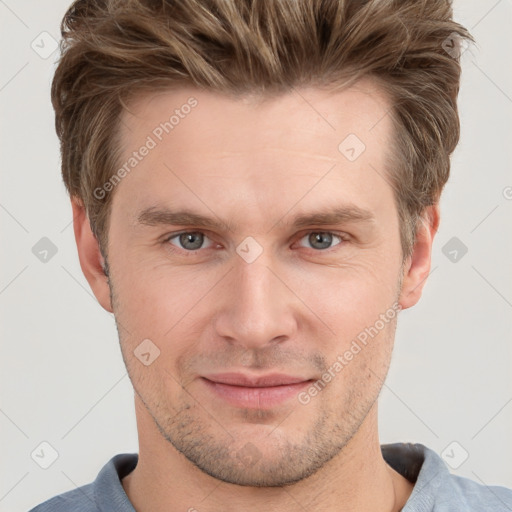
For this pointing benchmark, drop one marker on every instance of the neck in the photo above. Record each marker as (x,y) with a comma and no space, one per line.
(357,479)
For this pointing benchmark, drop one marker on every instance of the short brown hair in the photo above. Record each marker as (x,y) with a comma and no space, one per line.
(113,49)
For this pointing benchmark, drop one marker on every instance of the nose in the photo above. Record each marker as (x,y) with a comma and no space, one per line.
(257,306)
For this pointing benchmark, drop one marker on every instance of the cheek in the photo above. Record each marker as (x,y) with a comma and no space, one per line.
(156,296)
(350,297)
(360,366)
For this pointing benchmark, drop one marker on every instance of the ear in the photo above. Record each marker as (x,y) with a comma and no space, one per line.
(417,265)
(89,254)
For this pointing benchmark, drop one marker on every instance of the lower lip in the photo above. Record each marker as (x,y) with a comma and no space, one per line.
(255,398)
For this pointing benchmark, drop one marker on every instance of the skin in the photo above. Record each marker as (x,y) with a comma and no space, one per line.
(293,310)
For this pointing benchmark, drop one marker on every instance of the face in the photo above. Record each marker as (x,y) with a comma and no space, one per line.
(255,266)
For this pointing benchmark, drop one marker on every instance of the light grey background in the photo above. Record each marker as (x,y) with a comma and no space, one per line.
(62,377)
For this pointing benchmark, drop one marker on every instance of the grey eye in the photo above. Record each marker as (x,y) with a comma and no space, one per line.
(189,241)
(321,239)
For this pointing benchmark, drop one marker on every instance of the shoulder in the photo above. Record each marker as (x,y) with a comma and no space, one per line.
(436,489)
(474,496)
(81,499)
(105,493)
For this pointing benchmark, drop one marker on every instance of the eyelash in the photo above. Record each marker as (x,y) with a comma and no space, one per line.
(342,236)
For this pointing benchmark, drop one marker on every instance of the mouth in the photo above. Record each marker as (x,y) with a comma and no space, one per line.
(251,392)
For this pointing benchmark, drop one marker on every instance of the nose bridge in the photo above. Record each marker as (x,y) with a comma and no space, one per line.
(258,307)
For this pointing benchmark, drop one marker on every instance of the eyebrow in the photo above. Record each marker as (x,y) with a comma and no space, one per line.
(157,216)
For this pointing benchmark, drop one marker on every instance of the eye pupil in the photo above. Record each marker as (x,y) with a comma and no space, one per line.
(324,239)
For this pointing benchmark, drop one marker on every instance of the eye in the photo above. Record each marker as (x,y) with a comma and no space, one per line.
(188,240)
(191,241)
(322,240)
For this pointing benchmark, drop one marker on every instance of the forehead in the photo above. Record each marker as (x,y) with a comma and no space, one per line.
(253,149)
(324,112)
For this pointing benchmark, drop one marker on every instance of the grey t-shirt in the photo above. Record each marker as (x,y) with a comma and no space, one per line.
(435,489)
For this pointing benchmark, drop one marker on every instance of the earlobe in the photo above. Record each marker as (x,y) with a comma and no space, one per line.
(417,266)
(89,254)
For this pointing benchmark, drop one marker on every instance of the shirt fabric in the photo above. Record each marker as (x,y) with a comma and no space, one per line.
(435,489)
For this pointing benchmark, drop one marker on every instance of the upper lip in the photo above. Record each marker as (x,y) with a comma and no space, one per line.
(239,379)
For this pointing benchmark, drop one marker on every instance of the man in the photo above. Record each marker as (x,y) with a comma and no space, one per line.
(305,145)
